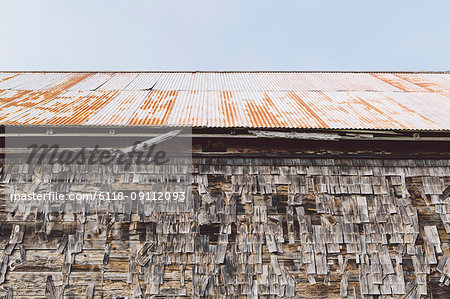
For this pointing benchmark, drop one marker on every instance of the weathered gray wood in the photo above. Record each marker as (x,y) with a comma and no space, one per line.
(295,135)
(244,239)
(90,291)
(51,292)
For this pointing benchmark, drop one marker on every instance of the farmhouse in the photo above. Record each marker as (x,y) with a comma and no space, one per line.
(300,184)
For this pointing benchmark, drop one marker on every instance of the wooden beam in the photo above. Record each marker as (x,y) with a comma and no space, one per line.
(296,135)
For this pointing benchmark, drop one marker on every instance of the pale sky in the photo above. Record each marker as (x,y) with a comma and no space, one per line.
(225,35)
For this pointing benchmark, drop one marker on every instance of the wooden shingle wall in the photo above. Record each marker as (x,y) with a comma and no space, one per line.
(275,227)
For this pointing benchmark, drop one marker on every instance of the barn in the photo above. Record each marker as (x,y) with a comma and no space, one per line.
(301,185)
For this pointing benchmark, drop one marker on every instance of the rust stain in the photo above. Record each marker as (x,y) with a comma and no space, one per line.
(273,100)
(228,107)
(277,119)
(430,86)
(395,83)
(260,115)
(36,98)
(381,113)
(295,113)
(157,103)
(121,111)
(134,120)
(168,106)
(411,111)
(164,105)
(20,106)
(81,110)
(44,112)
(310,111)
(17,94)
(7,78)
(148,106)
(71,81)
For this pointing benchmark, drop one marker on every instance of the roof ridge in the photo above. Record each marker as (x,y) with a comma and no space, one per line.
(234,71)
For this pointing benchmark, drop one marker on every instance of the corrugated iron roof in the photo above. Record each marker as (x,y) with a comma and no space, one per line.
(334,100)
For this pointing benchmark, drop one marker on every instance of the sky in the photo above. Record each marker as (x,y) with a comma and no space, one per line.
(132,35)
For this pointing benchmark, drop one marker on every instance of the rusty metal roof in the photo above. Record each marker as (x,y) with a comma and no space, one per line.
(329,100)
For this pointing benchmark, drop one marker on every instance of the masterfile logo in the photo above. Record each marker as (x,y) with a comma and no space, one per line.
(140,153)
(137,171)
